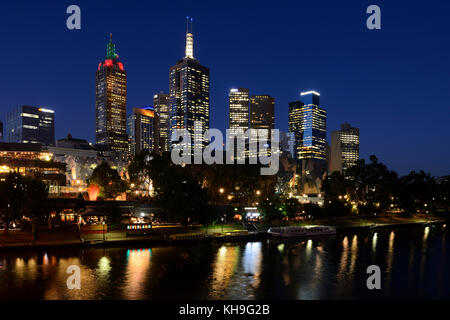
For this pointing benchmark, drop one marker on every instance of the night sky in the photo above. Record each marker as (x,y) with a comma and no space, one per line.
(392,83)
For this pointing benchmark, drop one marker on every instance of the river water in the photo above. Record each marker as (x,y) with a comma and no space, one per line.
(414,263)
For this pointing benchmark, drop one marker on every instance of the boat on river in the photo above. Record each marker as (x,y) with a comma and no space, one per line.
(302,231)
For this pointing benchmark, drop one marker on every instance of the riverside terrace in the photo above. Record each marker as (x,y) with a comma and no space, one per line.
(31,159)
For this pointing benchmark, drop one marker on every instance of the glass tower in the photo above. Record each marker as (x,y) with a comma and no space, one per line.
(307,122)
(111,103)
(189,93)
(161,104)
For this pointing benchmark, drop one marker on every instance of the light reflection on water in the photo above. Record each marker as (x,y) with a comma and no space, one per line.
(413,261)
(138,265)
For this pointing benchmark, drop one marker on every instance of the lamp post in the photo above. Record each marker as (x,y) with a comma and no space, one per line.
(222,224)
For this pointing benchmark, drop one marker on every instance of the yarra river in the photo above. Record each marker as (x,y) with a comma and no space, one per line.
(414,263)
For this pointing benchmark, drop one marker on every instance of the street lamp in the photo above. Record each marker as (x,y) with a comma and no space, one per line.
(258,192)
(221,190)
(222,224)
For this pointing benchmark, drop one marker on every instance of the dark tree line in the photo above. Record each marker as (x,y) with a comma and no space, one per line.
(372,188)
(22,196)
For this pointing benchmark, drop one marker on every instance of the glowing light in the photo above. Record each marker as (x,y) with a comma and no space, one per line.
(93,191)
(310,92)
(46,110)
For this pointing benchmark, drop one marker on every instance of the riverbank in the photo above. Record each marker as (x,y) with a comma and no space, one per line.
(161,236)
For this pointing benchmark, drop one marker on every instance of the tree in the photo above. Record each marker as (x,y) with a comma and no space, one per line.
(138,170)
(272,209)
(21,196)
(179,193)
(418,192)
(293,207)
(109,181)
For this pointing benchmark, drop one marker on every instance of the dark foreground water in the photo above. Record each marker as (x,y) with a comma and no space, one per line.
(415,263)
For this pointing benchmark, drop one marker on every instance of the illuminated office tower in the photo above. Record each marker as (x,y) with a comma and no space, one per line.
(142,130)
(189,93)
(344,148)
(238,100)
(111,103)
(28,124)
(307,122)
(239,103)
(161,104)
(262,116)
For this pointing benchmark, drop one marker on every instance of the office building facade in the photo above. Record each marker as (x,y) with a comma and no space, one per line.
(239,104)
(307,122)
(161,105)
(29,124)
(189,94)
(344,148)
(262,116)
(111,103)
(142,130)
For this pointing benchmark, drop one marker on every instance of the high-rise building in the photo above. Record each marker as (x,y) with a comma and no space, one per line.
(161,105)
(28,124)
(344,148)
(1,131)
(239,103)
(111,103)
(307,121)
(262,116)
(142,129)
(287,143)
(189,93)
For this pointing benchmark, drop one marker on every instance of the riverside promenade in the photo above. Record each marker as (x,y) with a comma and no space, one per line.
(160,235)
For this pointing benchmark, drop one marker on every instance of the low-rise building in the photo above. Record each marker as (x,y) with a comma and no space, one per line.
(30,159)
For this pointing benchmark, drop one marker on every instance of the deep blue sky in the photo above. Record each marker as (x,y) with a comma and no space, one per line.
(392,83)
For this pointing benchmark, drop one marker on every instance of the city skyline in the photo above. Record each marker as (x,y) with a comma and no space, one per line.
(391,133)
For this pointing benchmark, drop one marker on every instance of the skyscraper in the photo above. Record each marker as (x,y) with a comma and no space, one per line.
(344,148)
(238,101)
(111,103)
(142,129)
(161,104)
(1,131)
(28,124)
(189,92)
(262,116)
(307,121)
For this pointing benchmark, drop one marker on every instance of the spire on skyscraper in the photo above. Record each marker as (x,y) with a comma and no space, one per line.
(189,39)
(111,49)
